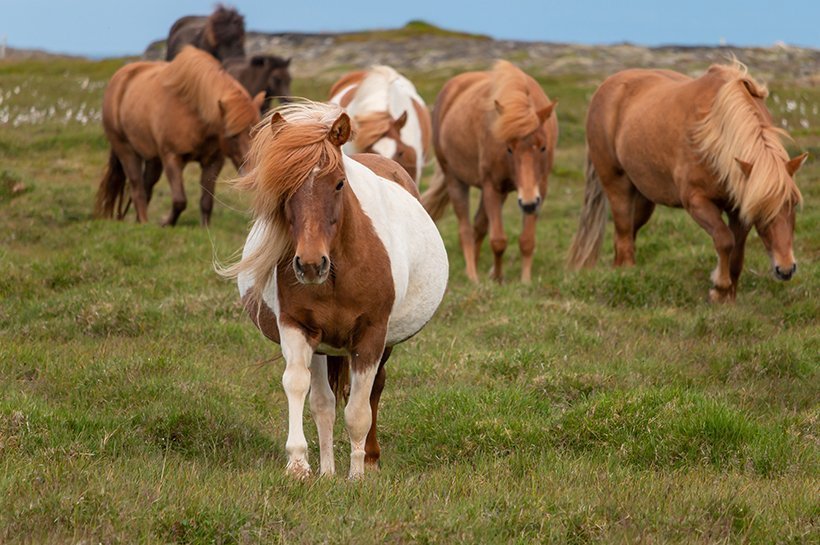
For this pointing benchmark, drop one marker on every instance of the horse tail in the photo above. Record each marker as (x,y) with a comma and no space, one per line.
(436,198)
(586,244)
(111,193)
(338,375)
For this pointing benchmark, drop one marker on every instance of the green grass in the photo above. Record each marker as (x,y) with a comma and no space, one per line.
(139,405)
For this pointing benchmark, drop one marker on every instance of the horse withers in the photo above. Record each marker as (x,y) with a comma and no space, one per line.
(159,116)
(222,34)
(496,131)
(341,261)
(707,145)
(389,117)
(267,73)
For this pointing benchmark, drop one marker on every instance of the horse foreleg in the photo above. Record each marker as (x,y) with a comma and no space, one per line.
(493,204)
(173,166)
(323,409)
(210,172)
(364,367)
(460,197)
(526,244)
(372,450)
(740,231)
(296,381)
(480,227)
(708,216)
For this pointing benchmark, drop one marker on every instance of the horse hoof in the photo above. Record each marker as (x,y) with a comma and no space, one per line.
(719,295)
(298,469)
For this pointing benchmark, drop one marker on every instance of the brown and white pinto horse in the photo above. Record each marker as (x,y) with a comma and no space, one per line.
(707,145)
(341,260)
(389,117)
(496,131)
(160,115)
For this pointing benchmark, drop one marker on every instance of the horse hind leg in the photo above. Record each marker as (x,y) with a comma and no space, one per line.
(323,409)
(624,200)
(132,164)
(372,450)
(460,197)
(481,224)
(150,177)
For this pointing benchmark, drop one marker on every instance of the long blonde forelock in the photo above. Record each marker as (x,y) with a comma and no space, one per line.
(735,129)
(282,159)
(511,90)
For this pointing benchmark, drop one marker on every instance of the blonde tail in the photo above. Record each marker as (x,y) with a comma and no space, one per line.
(586,244)
(436,198)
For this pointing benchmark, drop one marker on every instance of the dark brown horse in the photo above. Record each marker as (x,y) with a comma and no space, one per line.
(159,116)
(267,73)
(222,34)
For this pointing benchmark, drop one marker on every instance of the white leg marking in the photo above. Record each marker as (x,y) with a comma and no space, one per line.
(296,381)
(358,416)
(323,409)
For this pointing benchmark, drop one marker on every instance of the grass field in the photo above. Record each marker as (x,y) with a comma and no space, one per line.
(139,405)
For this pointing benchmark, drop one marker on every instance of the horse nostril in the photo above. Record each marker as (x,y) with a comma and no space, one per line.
(297,264)
(323,267)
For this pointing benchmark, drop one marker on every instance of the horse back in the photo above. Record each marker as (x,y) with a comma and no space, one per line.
(120,83)
(350,79)
(186,30)
(388,169)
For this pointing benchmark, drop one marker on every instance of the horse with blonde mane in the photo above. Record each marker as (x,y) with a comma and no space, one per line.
(341,261)
(389,117)
(160,115)
(496,131)
(707,145)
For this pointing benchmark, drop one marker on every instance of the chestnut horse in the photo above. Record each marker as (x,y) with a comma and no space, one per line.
(341,261)
(160,115)
(389,117)
(267,73)
(707,145)
(222,34)
(496,131)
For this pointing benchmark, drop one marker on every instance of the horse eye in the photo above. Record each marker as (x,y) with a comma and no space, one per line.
(509,150)
(543,149)
(340,185)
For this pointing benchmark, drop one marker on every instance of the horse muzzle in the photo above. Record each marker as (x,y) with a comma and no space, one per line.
(530,207)
(310,272)
(785,273)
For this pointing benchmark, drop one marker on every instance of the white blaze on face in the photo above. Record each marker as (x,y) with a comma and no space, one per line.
(386,147)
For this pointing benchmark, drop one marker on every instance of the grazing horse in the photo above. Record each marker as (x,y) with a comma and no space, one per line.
(341,260)
(389,116)
(160,115)
(707,145)
(267,73)
(496,131)
(222,34)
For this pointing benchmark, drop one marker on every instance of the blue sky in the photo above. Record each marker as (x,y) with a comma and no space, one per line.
(115,27)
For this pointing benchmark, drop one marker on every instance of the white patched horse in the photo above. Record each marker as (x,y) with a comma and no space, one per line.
(342,263)
(389,117)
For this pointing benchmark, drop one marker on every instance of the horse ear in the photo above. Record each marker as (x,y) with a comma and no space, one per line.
(794,165)
(498,107)
(401,121)
(744,166)
(221,107)
(259,99)
(546,111)
(275,120)
(340,131)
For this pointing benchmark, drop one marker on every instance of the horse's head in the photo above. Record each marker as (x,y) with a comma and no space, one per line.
(314,210)
(527,161)
(224,33)
(270,73)
(388,142)
(777,234)
(235,141)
